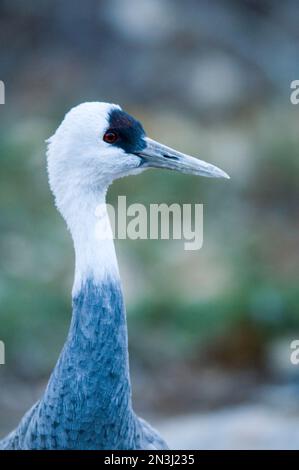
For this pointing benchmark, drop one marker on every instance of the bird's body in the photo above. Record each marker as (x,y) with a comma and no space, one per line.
(87,403)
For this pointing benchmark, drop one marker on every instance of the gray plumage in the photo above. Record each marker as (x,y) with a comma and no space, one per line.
(87,403)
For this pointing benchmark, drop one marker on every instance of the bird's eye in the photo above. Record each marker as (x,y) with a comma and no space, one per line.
(110,137)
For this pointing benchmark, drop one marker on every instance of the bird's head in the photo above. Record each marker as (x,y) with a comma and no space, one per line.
(99,142)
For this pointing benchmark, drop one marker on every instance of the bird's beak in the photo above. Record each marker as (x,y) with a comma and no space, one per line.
(157,155)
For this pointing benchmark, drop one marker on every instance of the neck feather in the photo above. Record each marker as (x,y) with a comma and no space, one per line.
(88,398)
(93,242)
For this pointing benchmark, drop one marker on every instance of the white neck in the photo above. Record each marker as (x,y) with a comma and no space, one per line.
(95,257)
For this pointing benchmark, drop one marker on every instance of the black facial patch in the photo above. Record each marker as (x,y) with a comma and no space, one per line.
(129,131)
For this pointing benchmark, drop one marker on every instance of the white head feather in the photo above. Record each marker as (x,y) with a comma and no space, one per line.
(81,166)
(80,163)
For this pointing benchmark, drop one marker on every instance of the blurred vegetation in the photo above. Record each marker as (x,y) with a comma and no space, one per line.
(219,92)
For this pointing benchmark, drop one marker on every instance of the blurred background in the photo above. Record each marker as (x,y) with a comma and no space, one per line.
(209,330)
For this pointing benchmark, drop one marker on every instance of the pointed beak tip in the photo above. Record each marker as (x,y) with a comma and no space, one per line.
(218,173)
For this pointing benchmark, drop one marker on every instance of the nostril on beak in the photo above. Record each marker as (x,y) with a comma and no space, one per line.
(170,157)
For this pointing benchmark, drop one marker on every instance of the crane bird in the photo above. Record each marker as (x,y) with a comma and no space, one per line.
(87,402)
